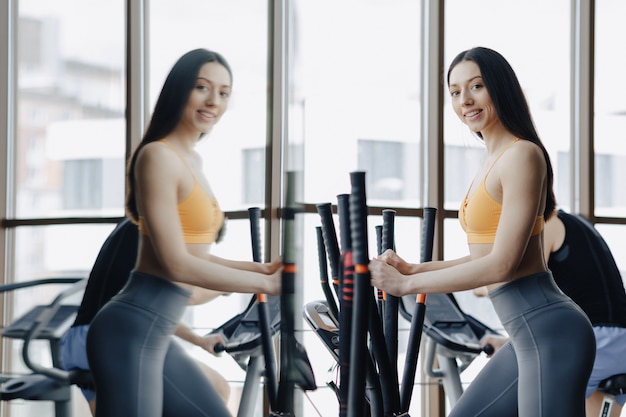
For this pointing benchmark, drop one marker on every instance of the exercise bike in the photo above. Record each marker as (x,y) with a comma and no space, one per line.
(44,322)
(452,336)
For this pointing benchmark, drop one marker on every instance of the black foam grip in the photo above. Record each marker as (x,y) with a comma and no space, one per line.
(254,213)
(343,209)
(388,234)
(330,237)
(323,265)
(428,234)
(358,218)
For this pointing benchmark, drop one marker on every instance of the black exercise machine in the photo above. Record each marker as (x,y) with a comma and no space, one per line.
(453,337)
(250,334)
(245,346)
(44,322)
(453,345)
(452,340)
(244,337)
(364,336)
(611,387)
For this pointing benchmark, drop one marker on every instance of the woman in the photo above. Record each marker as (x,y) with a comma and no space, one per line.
(179,218)
(503,215)
(108,276)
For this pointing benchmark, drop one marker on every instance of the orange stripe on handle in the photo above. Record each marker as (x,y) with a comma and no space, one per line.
(421,298)
(361,269)
(291,268)
(262,298)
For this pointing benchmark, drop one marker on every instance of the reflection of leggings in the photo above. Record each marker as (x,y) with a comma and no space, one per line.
(545,367)
(138,369)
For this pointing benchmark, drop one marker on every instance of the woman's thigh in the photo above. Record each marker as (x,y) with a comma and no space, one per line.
(493,393)
(555,348)
(126,348)
(187,390)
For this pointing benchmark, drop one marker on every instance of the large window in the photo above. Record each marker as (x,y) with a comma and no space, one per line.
(68,147)
(361,83)
(70,104)
(610,110)
(610,122)
(344,94)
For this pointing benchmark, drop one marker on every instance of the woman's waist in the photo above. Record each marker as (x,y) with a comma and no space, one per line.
(525,294)
(156,271)
(149,262)
(154,293)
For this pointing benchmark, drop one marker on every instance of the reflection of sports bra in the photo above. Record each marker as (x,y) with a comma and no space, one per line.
(479,214)
(199,213)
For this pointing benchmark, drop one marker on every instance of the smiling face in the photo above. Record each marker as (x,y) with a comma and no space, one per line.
(208,99)
(470,99)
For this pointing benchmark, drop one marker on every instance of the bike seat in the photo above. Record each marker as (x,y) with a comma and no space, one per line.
(614,385)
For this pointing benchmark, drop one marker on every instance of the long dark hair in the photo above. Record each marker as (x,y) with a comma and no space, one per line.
(510,104)
(169,110)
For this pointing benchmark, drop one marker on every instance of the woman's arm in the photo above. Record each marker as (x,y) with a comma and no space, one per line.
(202,295)
(407,268)
(263,268)
(160,176)
(207,342)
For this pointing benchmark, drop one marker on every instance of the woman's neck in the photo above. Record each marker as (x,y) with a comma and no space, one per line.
(184,141)
(496,139)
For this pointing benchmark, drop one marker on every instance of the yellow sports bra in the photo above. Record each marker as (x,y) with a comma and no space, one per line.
(479,214)
(200,215)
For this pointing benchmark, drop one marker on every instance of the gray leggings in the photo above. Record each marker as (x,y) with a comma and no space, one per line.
(544,369)
(138,368)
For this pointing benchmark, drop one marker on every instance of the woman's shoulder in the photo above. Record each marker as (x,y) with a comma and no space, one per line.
(157,156)
(156,148)
(527,145)
(523,160)
(155,151)
(525,152)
